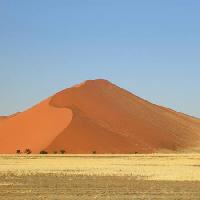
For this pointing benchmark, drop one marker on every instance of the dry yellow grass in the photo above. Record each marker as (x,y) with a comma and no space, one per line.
(161,176)
(151,167)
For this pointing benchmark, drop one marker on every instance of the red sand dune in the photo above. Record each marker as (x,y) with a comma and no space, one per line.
(99,116)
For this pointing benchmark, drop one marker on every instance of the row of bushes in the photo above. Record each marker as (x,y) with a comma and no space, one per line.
(28,151)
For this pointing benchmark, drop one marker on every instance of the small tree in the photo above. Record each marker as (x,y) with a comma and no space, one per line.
(43,152)
(18,151)
(62,151)
(55,152)
(94,152)
(27,151)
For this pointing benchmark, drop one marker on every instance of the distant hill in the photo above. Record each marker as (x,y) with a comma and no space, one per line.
(98,116)
(2,118)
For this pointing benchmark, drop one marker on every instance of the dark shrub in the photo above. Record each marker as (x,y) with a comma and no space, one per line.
(62,151)
(27,151)
(43,152)
(94,152)
(18,151)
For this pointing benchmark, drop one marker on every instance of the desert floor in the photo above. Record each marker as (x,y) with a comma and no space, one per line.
(56,177)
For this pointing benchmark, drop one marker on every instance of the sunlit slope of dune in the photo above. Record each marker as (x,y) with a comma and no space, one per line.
(99,116)
(34,128)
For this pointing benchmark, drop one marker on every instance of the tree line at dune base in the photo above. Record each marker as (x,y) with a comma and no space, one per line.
(62,151)
(29,151)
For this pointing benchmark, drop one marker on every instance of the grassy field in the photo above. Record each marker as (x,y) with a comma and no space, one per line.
(60,177)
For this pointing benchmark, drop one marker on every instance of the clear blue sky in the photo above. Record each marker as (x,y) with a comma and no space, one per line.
(151,48)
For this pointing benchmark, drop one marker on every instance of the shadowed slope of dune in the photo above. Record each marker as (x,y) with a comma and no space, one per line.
(99,116)
(147,127)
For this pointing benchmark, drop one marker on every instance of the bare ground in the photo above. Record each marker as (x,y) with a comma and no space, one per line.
(52,187)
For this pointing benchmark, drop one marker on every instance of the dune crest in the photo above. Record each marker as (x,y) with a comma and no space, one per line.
(99,116)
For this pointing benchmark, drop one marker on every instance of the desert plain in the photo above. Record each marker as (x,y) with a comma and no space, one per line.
(60,177)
